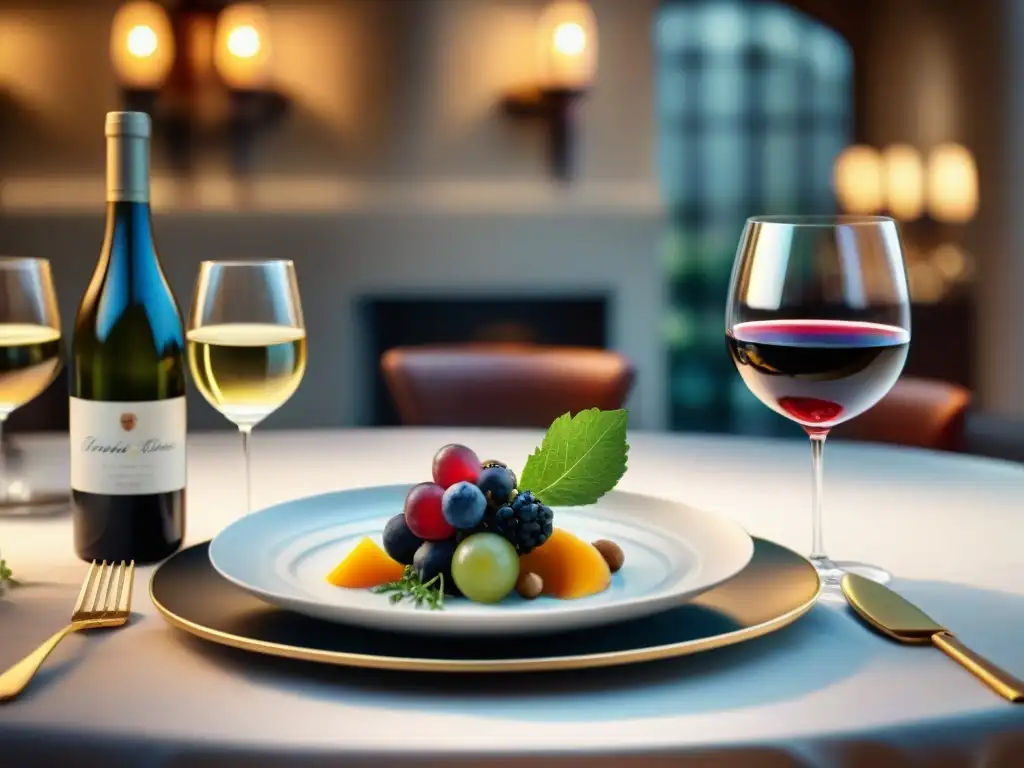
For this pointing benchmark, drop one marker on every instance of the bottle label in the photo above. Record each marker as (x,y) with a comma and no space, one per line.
(127,448)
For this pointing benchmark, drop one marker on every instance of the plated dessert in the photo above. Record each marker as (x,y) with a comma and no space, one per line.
(478,531)
(427,558)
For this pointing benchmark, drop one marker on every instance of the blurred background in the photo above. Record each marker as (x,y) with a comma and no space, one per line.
(515,173)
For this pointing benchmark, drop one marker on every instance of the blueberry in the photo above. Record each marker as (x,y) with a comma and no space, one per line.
(399,542)
(497,484)
(434,557)
(463,506)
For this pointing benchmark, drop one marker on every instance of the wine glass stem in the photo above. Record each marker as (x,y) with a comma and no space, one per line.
(817,538)
(3,461)
(246,433)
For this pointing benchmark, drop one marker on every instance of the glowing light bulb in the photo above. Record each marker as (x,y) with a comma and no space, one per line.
(141,44)
(858,180)
(244,41)
(904,181)
(567,44)
(242,46)
(952,184)
(142,41)
(570,39)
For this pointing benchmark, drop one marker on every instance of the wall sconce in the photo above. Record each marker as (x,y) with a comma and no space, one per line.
(567,47)
(201,67)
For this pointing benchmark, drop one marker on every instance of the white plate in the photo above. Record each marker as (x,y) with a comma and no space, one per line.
(673,553)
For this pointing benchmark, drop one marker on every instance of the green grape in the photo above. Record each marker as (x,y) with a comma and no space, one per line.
(485,567)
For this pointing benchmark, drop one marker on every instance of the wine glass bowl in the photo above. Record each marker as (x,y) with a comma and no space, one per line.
(247,340)
(31,352)
(818,325)
(30,340)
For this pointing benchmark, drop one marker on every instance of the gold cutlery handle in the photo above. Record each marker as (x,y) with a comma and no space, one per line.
(14,680)
(999,680)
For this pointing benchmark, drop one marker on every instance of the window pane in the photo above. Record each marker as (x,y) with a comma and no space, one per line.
(723,89)
(676,170)
(677,92)
(680,330)
(723,26)
(779,29)
(695,385)
(781,90)
(828,53)
(831,97)
(676,28)
(781,164)
(825,147)
(723,153)
(718,247)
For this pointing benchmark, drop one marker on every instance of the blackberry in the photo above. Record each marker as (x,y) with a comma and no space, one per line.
(525,522)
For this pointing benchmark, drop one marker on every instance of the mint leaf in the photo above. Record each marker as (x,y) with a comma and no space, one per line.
(580,459)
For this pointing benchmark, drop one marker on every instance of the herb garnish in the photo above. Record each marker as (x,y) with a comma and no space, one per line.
(581,458)
(410,586)
(5,575)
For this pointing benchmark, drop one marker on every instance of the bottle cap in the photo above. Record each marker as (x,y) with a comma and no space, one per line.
(128,124)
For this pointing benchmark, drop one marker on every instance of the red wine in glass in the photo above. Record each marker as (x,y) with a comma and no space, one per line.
(819,373)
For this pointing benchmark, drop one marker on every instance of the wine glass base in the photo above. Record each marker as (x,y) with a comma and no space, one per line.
(21,501)
(831,572)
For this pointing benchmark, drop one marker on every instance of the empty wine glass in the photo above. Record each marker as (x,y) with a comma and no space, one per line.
(30,352)
(247,341)
(818,324)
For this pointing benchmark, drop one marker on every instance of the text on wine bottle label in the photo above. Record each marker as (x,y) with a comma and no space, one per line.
(127,448)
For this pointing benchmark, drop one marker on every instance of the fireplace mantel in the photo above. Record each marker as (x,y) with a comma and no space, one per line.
(211,194)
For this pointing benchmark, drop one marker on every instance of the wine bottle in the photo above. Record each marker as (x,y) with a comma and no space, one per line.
(128,377)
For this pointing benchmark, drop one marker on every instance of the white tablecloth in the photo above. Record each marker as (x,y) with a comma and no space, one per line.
(825,691)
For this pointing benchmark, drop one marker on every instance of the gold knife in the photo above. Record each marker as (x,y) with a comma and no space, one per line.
(896,617)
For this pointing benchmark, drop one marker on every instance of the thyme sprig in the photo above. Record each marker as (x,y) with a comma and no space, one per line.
(409,586)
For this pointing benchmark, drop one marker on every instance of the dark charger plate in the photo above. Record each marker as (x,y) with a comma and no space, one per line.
(775,589)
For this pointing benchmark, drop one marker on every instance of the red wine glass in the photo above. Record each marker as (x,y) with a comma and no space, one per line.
(818,325)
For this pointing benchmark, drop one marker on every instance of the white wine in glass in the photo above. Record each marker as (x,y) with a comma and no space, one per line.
(30,348)
(30,359)
(247,341)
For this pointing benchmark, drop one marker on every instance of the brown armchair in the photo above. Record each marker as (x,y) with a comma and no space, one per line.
(922,413)
(502,385)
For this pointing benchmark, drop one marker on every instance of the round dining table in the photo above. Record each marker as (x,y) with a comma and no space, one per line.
(824,691)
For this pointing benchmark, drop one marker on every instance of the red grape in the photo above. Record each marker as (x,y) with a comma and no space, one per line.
(455,463)
(423,513)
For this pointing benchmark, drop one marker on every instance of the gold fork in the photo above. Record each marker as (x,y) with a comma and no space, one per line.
(103,602)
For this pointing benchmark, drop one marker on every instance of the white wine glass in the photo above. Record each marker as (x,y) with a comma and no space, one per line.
(247,342)
(30,348)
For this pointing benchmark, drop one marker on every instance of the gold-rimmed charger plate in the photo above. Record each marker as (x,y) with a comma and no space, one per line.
(774,590)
